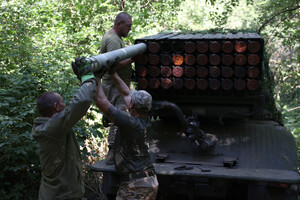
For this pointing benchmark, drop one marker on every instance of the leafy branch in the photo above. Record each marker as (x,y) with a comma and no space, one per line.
(276,14)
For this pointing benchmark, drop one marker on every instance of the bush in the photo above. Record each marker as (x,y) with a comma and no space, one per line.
(18,152)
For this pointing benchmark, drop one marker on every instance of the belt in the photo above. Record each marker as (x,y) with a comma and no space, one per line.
(129,177)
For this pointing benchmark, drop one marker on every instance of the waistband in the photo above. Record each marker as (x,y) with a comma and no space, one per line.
(143,174)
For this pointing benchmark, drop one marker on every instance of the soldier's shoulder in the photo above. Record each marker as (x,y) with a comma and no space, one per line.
(110,35)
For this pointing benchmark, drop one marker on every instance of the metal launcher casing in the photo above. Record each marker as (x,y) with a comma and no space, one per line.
(204,74)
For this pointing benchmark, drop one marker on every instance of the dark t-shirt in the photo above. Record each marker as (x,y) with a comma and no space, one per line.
(131,143)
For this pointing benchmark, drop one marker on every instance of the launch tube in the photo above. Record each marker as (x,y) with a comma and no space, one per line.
(104,60)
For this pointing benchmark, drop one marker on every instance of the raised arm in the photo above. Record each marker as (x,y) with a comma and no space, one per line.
(122,88)
(103,104)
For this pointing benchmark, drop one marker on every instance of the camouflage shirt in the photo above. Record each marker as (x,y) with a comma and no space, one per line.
(131,144)
(111,41)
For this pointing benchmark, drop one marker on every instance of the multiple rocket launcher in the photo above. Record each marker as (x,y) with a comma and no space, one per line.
(201,64)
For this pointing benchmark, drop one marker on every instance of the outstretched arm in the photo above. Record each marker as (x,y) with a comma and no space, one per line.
(122,88)
(103,104)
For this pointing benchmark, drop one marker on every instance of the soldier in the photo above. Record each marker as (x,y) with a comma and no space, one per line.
(132,160)
(59,150)
(112,40)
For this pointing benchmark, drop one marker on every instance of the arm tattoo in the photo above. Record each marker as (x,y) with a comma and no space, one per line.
(111,113)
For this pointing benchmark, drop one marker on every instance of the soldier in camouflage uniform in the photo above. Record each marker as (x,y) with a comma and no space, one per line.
(112,40)
(132,160)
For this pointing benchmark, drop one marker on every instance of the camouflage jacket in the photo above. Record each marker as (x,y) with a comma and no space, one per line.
(59,150)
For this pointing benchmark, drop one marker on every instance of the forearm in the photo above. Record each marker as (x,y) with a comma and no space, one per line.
(124,63)
(83,98)
(122,87)
(101,101)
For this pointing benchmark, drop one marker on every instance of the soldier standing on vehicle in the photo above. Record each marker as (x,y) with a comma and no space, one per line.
(59,150)
(132,160)
(112,40)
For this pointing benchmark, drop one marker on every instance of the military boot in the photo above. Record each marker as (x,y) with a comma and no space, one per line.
(110,156)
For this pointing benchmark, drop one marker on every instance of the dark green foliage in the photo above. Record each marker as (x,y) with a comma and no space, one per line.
(18,151)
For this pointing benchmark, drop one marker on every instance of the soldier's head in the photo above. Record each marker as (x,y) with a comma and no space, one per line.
(123,23)
(141,101)
(50,103)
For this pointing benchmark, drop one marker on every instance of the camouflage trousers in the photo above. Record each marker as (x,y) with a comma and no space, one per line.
(138,189)
(114,97)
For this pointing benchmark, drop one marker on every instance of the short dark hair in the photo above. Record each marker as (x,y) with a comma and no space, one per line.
(45,103)
(121,17)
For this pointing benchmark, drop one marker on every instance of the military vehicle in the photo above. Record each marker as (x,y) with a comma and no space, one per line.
(214,131)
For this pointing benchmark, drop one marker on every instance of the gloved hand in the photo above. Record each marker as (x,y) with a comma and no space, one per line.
(112,68)
(100,73)
(82,69)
